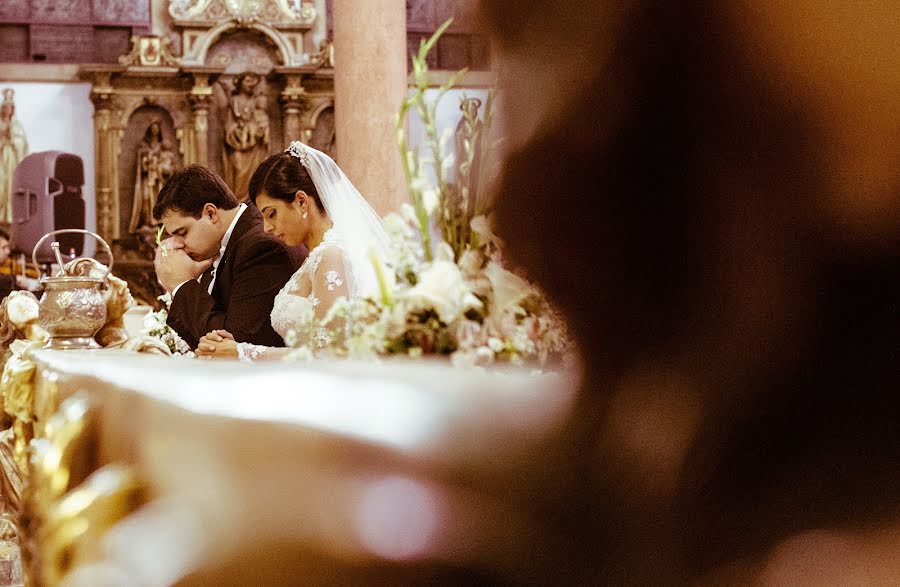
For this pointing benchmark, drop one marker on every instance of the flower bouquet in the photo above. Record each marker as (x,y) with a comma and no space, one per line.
(155,327)
(447,291)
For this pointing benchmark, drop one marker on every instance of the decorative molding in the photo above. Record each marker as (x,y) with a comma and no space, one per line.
(277,13)
(197,44)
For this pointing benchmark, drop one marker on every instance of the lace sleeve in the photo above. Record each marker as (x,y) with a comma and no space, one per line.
(331,283)
(251,353)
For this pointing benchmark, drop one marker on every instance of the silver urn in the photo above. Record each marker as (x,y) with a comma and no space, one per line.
(73,307)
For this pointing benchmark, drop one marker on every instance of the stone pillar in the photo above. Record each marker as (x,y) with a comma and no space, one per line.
(108,142)
(369,85)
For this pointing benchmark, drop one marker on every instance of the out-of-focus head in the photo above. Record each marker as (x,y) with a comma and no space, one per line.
(689,145)
(5,245)
(723,174)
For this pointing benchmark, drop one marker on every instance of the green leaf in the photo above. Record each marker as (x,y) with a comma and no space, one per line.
(426,46)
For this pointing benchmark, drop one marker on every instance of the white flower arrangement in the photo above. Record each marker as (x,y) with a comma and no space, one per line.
(447,292)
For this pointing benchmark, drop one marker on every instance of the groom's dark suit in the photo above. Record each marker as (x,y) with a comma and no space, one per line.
(253,269)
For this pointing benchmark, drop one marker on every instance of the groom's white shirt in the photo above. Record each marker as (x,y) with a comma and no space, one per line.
(224,244)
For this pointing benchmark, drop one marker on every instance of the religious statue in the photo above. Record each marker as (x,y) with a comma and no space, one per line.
(246,132)
(468,146)
(155,163)
(13,148)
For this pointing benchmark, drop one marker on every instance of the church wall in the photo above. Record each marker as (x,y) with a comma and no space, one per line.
(59,116)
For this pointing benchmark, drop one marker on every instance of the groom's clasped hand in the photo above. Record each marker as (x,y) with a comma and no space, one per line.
(175,266)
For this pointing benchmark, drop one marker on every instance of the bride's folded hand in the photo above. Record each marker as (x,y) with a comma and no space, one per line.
(218,343)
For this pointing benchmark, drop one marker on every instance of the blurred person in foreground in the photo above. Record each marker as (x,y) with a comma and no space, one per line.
(717,190)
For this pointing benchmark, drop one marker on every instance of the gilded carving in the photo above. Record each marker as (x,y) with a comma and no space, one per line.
(75,525)
(150,51)
(206,118)
(325,56)
(70,501)
(282,12)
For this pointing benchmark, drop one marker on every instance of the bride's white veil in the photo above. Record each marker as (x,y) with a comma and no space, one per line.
(358,225)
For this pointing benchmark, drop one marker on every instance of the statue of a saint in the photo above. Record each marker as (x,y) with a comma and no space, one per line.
(13,148)
(246,133)
(468,147)
(155,163)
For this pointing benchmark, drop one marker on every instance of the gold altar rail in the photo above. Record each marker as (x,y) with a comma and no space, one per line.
(155,471)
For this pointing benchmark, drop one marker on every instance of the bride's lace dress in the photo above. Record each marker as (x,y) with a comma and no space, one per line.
(302,305)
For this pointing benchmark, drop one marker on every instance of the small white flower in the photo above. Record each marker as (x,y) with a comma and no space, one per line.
(441,287)
(408,213)
(430,199)
(448,164)
(419,184)
(495,344)
(470,263)
(290,338)
(443,252)
(446,136)
(333,280)
(323,337)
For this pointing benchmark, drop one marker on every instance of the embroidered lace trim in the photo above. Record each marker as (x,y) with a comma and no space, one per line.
(248,352)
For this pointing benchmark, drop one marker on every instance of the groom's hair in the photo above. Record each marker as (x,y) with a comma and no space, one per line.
(189,189)
(281,176)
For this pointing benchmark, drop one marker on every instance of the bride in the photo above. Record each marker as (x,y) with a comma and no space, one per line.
(304,197)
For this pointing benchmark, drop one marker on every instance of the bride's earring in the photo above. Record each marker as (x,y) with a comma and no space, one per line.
(305,213)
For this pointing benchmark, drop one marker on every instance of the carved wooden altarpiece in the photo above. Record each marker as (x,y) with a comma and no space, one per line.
(281,41)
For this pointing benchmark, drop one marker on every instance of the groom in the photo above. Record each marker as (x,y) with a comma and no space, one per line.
(222,269)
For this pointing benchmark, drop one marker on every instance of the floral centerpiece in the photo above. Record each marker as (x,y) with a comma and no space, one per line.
(155,327)
(447,291)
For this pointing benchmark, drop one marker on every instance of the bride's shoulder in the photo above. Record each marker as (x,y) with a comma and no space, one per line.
(330,253)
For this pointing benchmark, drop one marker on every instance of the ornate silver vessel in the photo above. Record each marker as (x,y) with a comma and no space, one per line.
(73,307)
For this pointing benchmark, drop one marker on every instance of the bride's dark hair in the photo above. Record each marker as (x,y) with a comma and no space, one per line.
(280,176)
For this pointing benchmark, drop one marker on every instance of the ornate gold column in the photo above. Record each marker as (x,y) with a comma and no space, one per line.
(369,84)
(293,104)
(107,143)
(196,144)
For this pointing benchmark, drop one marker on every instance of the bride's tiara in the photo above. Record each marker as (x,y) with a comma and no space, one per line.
(300,151)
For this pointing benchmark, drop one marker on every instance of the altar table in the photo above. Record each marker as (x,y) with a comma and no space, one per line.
(156,471)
